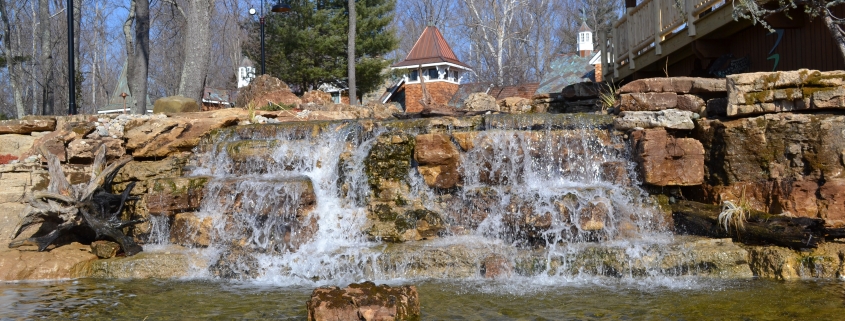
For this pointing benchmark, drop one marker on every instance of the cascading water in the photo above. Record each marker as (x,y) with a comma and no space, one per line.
(290,203)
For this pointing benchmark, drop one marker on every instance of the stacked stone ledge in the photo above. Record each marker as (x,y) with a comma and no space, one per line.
(785,91)
(649,107)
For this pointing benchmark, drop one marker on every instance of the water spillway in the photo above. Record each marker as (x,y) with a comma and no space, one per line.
(543,197)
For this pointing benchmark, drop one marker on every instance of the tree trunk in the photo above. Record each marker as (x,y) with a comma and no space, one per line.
(14,76)
(46,59)
(141,56)
(197,49)
(353,19)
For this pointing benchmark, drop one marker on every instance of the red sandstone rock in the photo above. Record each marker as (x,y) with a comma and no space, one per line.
(496,266)
(104,249)
(189,230)
(364,301)
(832,201)
(686,85)
(668,161)
(435,149)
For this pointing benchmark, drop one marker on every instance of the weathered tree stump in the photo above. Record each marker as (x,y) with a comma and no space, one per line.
(79,209)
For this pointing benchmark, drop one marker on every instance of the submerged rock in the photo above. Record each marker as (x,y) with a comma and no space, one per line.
(364,301)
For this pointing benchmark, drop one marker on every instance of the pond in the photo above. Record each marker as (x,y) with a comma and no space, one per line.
(590,299)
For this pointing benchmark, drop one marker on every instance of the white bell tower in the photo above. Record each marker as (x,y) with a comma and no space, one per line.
(585,40)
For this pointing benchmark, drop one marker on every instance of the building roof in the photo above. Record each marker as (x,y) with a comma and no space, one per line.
(430,48)
(246,62)
(584,27)
(216,96)
(566,70)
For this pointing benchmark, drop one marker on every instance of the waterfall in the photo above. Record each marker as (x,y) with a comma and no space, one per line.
(292,203)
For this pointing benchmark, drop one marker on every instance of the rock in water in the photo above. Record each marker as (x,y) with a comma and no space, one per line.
(104,249)
(364,301)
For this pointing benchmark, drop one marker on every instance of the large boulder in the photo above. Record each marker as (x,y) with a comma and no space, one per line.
(668,161)
(168,196)
(438,158)
(364,301)
(264,90)
(797,147)
(480,102)
(175,104)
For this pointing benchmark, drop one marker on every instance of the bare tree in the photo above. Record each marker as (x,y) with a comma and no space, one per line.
(138,52)
(46,58)
(490,24)
(197,50)
(11,59)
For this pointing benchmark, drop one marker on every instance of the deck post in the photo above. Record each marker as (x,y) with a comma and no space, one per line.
(630,29)
(658,25)
(689,9)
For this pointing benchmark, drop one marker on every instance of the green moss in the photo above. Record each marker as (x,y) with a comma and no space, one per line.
(809,91)
(388,160)
(384,212)
(409,219)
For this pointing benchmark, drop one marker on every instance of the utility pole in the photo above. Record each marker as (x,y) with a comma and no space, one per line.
(353,99)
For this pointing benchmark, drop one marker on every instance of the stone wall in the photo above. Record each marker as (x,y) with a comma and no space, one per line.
(741,139)
(440,93)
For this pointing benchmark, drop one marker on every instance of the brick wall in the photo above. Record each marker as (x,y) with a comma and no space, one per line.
(440,92)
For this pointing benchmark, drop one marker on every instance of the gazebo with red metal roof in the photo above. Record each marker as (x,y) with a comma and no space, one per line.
(430,61)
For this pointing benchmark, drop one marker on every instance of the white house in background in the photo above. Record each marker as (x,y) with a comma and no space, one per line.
(246,72)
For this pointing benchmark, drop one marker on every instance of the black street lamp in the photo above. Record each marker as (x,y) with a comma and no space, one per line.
(280,6)
(71,74)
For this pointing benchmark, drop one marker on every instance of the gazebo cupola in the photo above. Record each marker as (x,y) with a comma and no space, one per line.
(433,59)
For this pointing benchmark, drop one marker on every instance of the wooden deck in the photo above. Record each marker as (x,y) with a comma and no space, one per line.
(657,32)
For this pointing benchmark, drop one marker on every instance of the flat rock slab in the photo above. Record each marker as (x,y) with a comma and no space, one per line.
(670,118)
(681,85)
(144,265)
(364,301)
(63,262)
(26,126)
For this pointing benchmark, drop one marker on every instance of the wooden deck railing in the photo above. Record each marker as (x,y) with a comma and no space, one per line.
(648,25)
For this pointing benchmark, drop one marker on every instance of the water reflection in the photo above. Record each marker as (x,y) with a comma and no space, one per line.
(89,299)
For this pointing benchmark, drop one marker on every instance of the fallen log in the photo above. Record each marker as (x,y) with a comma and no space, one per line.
(757,228)
(83,209)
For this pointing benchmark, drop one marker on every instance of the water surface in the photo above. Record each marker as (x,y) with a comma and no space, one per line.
(688,299)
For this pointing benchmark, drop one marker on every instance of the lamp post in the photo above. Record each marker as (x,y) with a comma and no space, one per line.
(71,74)
(280,6)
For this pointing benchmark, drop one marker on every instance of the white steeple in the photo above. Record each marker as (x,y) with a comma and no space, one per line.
(585,40)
